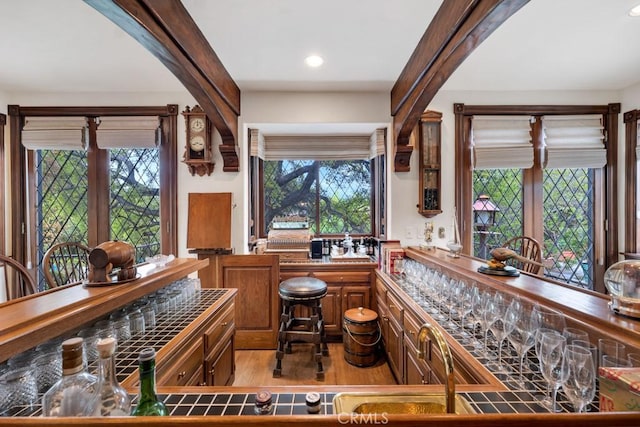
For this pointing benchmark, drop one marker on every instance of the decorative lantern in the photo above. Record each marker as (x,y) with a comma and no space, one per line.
(484,212)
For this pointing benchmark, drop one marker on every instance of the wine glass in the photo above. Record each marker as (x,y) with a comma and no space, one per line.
(455,248)
(488,317)
(580,383)
(553,369)
(399,266)
(523,332)
(500,327)
(575,334)
(548,318)
(464,298)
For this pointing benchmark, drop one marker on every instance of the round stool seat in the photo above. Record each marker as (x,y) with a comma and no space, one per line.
(302,288)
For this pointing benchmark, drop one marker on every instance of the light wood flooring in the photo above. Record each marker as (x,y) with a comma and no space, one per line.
(255,367)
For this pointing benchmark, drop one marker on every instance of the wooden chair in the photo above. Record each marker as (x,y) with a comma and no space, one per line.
(66,263)
(17,279)
(528,248)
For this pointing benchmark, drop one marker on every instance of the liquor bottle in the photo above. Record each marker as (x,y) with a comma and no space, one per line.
(114,399)
(148,402)
(76,393)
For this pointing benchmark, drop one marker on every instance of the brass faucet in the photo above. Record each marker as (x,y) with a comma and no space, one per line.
(449,384)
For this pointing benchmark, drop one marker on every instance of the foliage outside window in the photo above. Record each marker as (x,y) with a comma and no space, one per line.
(334,194)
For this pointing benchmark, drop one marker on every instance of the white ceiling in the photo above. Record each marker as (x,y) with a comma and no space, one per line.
(65,45)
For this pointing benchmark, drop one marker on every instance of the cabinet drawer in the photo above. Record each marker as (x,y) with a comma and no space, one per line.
(395,308)
(220,326)
(411,326)
(343,276)
(183,370)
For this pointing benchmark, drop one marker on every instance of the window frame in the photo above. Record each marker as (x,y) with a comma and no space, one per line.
(256,198)
(532,178)
(631,119)
(98,173)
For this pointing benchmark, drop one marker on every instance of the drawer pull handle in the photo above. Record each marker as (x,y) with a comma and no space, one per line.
(181,375)
(385,318)
(392,306)
(212,371)
(412,332)
(224,324)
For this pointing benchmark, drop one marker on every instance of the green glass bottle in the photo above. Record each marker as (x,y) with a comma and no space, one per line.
(148,403)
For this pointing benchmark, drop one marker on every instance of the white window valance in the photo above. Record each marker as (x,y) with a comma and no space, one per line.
(54,133)
(574,142)
(317,147)
(501,142)
(128,132)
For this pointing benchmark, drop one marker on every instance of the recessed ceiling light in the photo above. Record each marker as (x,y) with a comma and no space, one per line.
(313,61)
(635,11)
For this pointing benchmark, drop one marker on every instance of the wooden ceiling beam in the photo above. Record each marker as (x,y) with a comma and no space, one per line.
(455,32)
(165,28)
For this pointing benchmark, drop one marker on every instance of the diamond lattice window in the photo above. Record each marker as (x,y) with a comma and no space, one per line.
(135,199)
(568,225)
(61,200)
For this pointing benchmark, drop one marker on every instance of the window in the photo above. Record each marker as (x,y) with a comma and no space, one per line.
(332,180)
(558,194)
(121,186)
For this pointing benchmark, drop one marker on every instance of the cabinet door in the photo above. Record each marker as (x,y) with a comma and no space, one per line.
(394,349)
(331,312)
(416,371)
(257,314)
(220,371)
(355,296)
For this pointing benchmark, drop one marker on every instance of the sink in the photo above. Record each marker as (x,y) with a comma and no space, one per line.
(397,403)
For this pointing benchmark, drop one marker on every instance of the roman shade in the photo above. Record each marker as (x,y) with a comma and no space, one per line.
(501,142)
(128,132)
(54,133)
(573,142)
(317,147)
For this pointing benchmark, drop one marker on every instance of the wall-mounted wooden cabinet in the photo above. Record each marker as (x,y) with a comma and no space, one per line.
(429,172)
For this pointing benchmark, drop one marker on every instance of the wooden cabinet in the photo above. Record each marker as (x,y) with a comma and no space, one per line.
(202,354)
(256,277)
(345,290)
(429,173)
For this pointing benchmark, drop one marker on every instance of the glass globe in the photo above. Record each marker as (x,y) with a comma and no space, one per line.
(622,280)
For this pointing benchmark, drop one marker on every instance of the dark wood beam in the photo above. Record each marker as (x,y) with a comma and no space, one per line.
(456,30)
(165,28)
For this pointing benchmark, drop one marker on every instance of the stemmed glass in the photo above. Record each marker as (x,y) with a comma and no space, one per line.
(548,319)
(488,316)
(523,332)
(464,298)
(500,327)
(580,383)
(399,266)
(552,366)
(450,293)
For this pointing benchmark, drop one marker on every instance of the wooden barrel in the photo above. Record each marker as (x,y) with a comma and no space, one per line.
(361,336)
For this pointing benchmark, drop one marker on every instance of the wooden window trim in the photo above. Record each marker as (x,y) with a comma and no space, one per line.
(100,159)
(631,119)
(3,122)
(464,172)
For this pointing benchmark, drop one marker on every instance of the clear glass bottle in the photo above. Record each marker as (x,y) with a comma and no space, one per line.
(114,399)
(76,393)
(148,402)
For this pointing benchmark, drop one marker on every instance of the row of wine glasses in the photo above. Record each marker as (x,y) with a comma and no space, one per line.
(459,306)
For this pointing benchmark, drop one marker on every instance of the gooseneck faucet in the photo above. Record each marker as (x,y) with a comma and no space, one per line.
(428,330)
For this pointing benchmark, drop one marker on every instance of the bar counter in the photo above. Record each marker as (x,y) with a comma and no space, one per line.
(232,406)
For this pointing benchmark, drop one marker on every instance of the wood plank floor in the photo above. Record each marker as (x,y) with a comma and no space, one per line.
(255,367)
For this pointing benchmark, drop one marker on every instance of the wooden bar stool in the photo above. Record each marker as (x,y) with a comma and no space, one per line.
(305,292)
